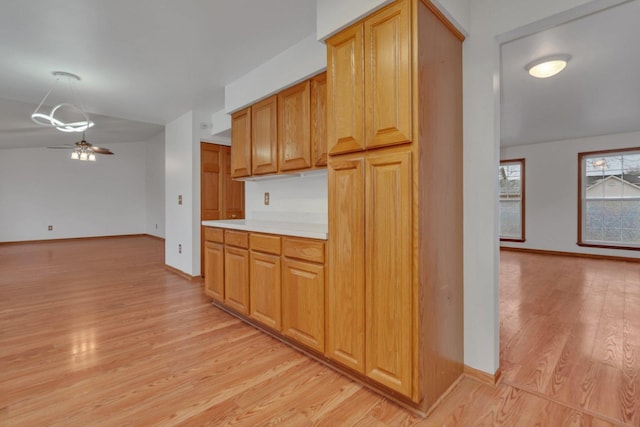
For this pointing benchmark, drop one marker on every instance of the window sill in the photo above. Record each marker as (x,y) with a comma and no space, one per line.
(507,239)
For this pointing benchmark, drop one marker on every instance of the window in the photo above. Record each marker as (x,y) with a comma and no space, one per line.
(609,202)
(511,176)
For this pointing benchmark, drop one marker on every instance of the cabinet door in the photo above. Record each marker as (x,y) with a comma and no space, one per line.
(388,212)
(265,289)
(294,127)
(345,291)
(387,76)
(210,178)
(319,120)
(241,143)
(264,136)
(214,270)
(345,122)
(236,279)
(303,302)
(232,190)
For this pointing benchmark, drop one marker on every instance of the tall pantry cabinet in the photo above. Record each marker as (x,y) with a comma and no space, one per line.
(394,130)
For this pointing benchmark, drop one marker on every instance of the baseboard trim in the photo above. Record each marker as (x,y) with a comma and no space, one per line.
(483,377)
(571,254)
(155,237)
(67,239)
(182,273)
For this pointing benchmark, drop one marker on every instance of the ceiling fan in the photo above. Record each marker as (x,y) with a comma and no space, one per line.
(83,150)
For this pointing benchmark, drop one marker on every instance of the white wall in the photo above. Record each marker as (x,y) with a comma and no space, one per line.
(41,187)
(154,177)
(300,61)
(179,180)
(551,185)
(294,199)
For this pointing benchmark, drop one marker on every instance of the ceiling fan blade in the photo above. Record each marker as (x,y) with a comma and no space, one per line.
(63,147)
(100,150)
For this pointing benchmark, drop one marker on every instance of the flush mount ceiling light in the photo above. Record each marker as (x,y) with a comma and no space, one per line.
(71,109)
(547,66)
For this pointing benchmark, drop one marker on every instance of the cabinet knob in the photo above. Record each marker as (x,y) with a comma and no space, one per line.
(234,215)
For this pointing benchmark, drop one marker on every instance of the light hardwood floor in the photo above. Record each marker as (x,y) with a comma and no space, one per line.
(97,332)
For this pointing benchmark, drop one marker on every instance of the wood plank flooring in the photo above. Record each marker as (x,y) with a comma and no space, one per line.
(96,332)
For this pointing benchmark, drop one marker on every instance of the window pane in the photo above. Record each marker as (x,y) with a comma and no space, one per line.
(511,199)
(611,198)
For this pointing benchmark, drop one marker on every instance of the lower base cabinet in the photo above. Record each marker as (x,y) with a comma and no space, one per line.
(214,270)
(265,289)
(236,279)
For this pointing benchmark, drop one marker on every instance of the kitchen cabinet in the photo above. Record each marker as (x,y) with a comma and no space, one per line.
(264,136)
(345,295)
(241,143)
(370,65)
(214,264)
(236,268)
(394,291)
(264,281)
(303,283)
(294,127)
(319,120)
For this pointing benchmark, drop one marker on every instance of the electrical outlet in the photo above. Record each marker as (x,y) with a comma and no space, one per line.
(266,198)
(179,249)
(50,228)
(179,199)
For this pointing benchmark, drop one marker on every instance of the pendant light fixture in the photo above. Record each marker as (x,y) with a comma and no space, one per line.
(547,66)
(72,107)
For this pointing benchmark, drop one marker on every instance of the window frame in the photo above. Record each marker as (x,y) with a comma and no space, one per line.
(522,238)
(582,198)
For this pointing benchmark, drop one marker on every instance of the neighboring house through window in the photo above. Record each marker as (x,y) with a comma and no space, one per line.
(511,176)
(609,202)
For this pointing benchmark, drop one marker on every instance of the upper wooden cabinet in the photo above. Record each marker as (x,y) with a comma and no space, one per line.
(369,73)
(345,99)
(283,133)
(241,143)
(294,127)
(319,120)
(264,136)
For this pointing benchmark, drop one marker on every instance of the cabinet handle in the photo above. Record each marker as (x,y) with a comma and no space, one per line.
(234,215)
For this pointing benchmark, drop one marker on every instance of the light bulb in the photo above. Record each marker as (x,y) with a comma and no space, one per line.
(547,66)
(74,155)
(83,156)
(92,157)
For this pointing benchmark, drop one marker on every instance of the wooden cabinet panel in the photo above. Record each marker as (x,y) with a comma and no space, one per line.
(241,143)
(294,127)
(236,279)
(345,292)
(236,238)
(266,243)
(345,99)
(210,177)
(265,289)
(264,136)
(303,302)
(388,210)
(212,234)
(232,190)
(387,76)
(304,249)
(214,270)
(319,120)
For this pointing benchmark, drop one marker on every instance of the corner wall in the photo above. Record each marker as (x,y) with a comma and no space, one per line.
(551,187)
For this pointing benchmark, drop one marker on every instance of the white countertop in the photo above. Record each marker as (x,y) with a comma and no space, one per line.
(297,229)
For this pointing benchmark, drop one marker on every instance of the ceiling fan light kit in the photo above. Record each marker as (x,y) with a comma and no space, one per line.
(41,117)
(547,66)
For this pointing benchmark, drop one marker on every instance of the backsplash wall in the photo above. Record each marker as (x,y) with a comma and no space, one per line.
(292,199)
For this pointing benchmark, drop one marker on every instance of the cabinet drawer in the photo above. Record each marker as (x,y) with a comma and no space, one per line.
(236,238)
(212,234)
(306,249)
(264,243)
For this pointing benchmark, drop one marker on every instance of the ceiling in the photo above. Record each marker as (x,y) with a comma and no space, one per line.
(597,94)
(144,63)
